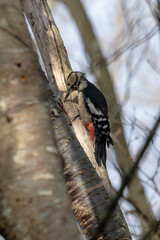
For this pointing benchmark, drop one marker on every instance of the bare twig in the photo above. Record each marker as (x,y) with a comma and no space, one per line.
(133,45)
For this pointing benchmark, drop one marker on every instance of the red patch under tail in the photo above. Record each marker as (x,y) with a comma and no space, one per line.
(90,127)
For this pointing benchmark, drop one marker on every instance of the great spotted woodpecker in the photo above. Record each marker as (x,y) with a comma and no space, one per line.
(93,111)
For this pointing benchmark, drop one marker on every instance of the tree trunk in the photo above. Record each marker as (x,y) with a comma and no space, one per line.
(33,197)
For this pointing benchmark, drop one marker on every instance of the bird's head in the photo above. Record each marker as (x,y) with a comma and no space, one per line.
(73,82)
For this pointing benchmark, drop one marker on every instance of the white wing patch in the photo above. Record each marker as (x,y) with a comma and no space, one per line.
(105,126)
(102,119)
(93,109)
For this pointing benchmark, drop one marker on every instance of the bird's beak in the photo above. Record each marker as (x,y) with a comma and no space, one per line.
(67,94)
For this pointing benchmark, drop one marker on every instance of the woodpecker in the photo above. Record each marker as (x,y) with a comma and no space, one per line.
(93,111)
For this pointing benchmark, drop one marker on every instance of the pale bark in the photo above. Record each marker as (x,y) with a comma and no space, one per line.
(105,82)
(89,197)
(34,204)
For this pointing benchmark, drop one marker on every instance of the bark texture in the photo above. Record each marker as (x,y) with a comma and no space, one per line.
(34,204)
(89,197)
(104,80)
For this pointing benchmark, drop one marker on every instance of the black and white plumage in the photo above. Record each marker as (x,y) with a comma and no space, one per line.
(93,110)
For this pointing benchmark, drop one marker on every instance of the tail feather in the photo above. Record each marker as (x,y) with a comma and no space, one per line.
(100,150)
(109,140)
